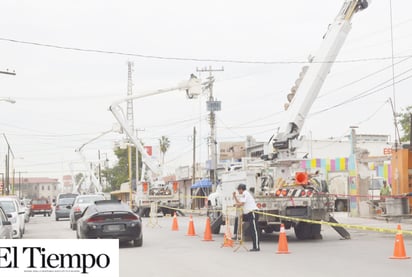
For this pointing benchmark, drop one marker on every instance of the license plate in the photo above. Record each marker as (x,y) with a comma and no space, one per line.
(112,228)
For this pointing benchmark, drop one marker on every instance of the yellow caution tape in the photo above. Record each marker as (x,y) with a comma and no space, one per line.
(322,222)
(348,226)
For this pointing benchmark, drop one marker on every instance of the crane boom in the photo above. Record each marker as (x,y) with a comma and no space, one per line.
(311,79)
(192,87)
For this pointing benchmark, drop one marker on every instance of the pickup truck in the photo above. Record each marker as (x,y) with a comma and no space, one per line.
(40,206)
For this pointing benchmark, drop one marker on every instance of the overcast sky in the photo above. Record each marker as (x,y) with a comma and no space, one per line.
(63,94)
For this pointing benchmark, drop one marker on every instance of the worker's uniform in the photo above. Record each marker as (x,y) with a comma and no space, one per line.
(250,215)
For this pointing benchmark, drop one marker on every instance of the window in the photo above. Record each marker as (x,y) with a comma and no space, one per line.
(48,187)
(42,187)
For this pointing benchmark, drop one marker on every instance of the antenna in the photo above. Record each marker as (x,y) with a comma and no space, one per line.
(130,112)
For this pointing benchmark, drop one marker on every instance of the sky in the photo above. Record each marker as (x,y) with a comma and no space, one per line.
(70,59)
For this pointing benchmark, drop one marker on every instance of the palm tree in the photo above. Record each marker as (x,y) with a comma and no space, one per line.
(164,146)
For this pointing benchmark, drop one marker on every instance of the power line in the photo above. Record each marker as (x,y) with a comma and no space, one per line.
(362,95)
(137,55)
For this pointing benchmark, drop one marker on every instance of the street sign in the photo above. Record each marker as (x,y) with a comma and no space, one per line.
(213,106)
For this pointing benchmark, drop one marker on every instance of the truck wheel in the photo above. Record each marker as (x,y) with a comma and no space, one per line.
(305,231)
(216,220)
(268,230)
(340,206)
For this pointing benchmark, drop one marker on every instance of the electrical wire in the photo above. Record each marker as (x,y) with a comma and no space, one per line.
(190,59)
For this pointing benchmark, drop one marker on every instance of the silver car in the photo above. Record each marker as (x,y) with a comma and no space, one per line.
(80,204)
(15,214)
(6,230)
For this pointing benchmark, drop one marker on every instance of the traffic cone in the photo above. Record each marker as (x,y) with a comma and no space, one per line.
(227,241)
(175,225)
(227,237)
(283,241)
(399,250)
(208,231)
(191,229)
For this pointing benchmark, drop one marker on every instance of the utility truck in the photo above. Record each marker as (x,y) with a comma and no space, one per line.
(283,192)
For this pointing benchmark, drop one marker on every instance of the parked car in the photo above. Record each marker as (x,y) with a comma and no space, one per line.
(80,204)
(15,213)
(6,229)
(40,206)
(110,219)
(25,203)
(62,209)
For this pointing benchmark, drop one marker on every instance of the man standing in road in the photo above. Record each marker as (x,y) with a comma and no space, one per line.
(246,201)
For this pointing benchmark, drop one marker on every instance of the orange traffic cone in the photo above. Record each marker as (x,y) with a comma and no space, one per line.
(283,242)
(227,237)
(208,231)
(399,250)
(191,229)
(175,225)
(227,241)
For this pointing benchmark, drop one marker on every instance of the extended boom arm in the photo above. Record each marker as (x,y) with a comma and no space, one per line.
(312,77)
(193,88)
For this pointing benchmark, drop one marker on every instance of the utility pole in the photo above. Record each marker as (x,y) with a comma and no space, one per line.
(137,157)
(212,106)
(100,167)
(194,156)
(7,162)
(354,152)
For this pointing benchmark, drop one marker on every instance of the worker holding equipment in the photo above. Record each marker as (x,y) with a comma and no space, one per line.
(246,201)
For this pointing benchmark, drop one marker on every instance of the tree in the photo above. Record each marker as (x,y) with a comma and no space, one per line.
(405,122)
(119,173)
(164,143)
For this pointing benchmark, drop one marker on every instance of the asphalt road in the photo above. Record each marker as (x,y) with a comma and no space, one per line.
(173,253)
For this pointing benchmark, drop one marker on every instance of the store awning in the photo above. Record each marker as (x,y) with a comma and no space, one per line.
(205,183)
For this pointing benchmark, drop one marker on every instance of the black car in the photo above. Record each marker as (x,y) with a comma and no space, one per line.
(110,219)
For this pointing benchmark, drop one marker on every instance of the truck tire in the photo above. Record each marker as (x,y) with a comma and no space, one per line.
(306,231)
(216,220)
(268,230)
(340,206)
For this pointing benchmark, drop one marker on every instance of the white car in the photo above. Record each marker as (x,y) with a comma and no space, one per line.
(6,231)
(15,213)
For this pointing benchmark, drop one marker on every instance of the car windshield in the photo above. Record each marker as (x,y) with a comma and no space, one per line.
(8,206)
(39,201)
(65,201)
(88,200)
